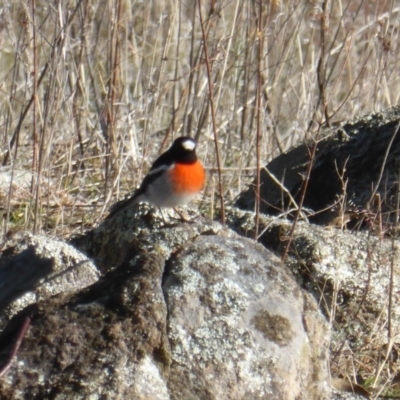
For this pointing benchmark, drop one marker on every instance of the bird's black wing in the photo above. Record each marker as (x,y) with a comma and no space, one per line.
(159,166)
(157,169)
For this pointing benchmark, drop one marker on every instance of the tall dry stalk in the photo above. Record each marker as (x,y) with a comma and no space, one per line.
(213,116)
(259,113)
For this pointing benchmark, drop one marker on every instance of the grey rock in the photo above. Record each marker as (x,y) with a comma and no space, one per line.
(239,327)
(349,274)
(34,268)
(182,311)
(351,161)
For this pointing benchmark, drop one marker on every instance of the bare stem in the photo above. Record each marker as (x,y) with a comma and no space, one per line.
(34,188)
(259,117)
(213,117)
(303,195)
(391,280)
(21,335)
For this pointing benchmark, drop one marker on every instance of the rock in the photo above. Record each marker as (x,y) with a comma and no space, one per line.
(349,274)
(34,268)
(354,275)
(238,326)
(351,163)
(182,311)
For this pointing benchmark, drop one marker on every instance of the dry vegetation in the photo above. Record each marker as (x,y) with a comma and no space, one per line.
(91,92)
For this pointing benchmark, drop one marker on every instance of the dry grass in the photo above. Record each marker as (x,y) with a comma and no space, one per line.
(92,91)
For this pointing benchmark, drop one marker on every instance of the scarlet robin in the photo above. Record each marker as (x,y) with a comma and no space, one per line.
(174,179)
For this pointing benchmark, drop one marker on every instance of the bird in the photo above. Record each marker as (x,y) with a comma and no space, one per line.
(174,179)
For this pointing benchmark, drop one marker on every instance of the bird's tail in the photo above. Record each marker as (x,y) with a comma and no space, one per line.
(122,205)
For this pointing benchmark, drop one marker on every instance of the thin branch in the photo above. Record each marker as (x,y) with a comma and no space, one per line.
(259,116)
(321,70)
(111,106)
(213,117)
(383,165)
(303,195)
(391,281)
(21,335)
(287,191)
(34,187)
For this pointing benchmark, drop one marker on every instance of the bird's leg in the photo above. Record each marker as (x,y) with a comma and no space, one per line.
(163,217)
(183,217)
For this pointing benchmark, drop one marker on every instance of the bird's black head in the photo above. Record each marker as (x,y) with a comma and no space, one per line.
(183,150)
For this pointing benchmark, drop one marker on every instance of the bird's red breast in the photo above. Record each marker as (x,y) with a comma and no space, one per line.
(188,178)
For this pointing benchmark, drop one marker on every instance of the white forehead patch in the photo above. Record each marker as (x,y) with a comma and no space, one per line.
(189,145)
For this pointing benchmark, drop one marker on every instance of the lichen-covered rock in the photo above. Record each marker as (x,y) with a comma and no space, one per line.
(239,327)
(108,341)
(357,161)
(183,311)
(34,268)
(355,278)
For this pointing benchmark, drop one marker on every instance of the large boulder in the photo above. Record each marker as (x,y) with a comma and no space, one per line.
(351,265)
(354,163)
(355,278)
(182,311)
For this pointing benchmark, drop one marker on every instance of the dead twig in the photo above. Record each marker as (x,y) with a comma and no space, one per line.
(303,195)
(21,335)
(213,117)
(389,146)
(259,116)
